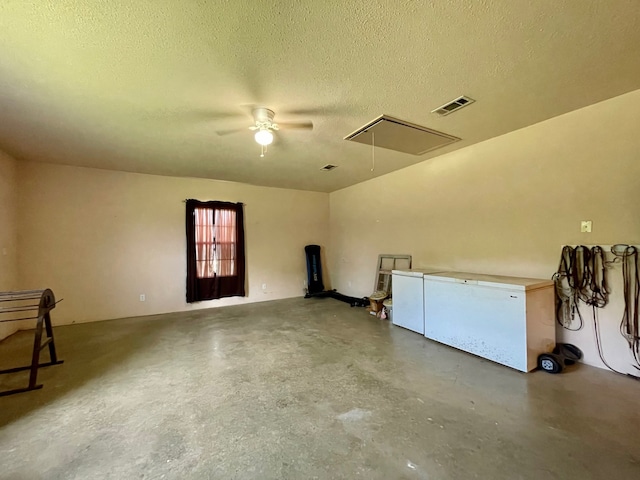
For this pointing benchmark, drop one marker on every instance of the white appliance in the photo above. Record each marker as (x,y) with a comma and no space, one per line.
(509,320)
(408,298)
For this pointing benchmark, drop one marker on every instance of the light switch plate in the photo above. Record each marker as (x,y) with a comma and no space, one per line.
(585,226)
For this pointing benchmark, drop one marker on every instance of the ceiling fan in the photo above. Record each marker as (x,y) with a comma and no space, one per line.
(264,126)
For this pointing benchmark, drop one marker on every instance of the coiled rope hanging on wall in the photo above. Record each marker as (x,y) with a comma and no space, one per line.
(581,275)
(629,326)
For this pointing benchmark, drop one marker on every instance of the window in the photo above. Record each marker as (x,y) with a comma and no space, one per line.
(215,250)
(215,242)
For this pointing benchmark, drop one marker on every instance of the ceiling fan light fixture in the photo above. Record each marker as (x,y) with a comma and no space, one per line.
(264,137)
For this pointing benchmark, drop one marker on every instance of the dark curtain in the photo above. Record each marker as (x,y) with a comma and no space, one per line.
(199,289)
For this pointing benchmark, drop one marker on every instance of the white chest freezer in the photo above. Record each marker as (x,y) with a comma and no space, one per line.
(509,320)
(408,298)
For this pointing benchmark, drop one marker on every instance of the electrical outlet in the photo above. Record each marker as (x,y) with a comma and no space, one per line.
(264,286)
(143,297)
(585,226)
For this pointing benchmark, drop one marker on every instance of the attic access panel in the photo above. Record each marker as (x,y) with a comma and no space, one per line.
(401,136)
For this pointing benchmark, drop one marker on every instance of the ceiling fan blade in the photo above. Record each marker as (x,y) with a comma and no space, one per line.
(295,125)
(215,115)
(195,114)
(231,130)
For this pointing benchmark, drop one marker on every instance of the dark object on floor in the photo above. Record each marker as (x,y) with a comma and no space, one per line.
(315,284)
(314,269)
(564,354)
(353,301)
(23,301)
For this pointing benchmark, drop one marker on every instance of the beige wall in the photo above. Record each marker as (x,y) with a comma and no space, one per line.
(504,206)
(100,238)
(8,232)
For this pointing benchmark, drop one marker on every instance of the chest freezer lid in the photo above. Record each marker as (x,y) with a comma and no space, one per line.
(415,272)
(495,281)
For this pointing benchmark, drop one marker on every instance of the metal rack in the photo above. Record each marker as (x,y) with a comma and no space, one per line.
(31,305)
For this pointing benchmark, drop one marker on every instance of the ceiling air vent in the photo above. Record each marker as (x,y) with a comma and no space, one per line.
(401,136)
(328,167)
(451,107)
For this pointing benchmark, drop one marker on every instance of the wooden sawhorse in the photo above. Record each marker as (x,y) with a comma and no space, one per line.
(18,303)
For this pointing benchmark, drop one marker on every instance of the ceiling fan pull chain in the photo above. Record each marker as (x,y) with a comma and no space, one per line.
(373,151)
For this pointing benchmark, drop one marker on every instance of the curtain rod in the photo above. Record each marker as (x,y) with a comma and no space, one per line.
(240,203)
(608,247)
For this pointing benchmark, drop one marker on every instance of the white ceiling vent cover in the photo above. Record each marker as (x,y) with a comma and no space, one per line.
(328,167)
(394,134)
(451,107)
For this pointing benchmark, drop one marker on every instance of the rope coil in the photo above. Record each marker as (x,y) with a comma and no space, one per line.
(582,276)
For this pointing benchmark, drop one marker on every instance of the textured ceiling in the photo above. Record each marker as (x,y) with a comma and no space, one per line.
(143,86)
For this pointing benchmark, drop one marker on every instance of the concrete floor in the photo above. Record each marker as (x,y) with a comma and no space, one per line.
(303,389)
